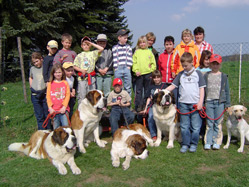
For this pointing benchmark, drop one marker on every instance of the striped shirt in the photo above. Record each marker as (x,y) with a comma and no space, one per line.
(122,55)
(205,46)
(70,58)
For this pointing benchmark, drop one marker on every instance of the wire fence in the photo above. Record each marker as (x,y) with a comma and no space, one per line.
(235,64)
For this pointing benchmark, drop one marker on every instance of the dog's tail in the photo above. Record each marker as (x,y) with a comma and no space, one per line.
(22,147)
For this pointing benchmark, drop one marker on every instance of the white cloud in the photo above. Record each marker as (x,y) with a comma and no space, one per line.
(226,3)
(177,17)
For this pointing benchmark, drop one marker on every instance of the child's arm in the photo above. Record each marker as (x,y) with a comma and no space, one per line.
(200,103)
(66,99)
(80,70)
(49,101)
(100,49)
(125,104)
(146,106)
(171,87)
(30,81)
(73,93)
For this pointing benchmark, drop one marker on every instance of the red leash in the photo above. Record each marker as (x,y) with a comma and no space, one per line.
(51,116)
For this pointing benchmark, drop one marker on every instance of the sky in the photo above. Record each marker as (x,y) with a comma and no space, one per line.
(224,21)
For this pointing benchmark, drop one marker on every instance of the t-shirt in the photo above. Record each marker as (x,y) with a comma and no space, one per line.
(112,97)
(213,86)
(153,88)
(37,78)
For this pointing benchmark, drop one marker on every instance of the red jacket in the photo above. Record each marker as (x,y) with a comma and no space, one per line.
(164,66)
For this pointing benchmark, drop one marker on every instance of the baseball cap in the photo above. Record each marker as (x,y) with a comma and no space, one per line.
(67,65)
(215,58)
(85,38)
(122,32)
(101,37)
(53,44)
(117,81)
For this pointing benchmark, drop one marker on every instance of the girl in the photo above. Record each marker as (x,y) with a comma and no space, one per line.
(156,83)
(217,98)
(204,62)
(58,95)
(143,65)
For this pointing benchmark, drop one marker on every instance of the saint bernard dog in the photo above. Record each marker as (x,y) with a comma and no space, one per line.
(237,126)
(127,144)
(85,120)
(59,146)
(165,116)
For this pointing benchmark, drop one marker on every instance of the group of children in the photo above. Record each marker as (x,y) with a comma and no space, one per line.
(190,70)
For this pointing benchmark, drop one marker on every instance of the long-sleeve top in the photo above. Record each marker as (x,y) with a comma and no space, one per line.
(164,66)
(70,58)
(176,66)
(58,95)
(105,61)
(143,61)
(47,66)
(122,55)
(205,46)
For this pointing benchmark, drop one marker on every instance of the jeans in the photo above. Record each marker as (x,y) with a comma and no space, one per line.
(41,110)
(152,123)
(104,83)
(190,125)
(213,110)
(116,114)
(142,86)
(124,73)
(60,120)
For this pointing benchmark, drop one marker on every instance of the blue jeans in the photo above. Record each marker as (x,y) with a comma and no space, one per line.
(152,123)
(41,111)
(124,73)
(104,83)
(60,120)
(213,110)
(116,114)
(190,125)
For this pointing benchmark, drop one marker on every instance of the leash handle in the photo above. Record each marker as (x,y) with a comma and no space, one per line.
(51,116)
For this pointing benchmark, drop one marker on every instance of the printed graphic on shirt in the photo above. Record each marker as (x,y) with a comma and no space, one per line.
(59,93)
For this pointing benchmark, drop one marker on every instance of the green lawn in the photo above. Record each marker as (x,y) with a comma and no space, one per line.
(163,167)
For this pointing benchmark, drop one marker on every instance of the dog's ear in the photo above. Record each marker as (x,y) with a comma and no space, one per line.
(90,97)
(230,110)
(155,98)
(245,109)
(173,98)
(59,136)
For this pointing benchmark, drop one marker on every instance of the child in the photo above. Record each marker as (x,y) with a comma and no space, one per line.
(217,98)
(191,90)
(156,83)
(104,66)
(143,65)
(186,45)
(58,95)
(120,101)
(84,63)
(122,59)
(151,40)
(164,61)
(65,54)
(52,48)
(204,62)
(200,42)
(38,90)
(73,84)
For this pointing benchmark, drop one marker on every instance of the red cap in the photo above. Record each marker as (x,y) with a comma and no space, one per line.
(85,38)
(117,81)
(215,58)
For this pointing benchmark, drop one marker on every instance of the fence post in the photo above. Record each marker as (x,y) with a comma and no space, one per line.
(1,63)
(240,64)
(22,68)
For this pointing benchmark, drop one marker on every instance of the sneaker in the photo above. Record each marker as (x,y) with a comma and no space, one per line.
(154,138)
(192,148)
(216,146)
(207,146)
(184,149)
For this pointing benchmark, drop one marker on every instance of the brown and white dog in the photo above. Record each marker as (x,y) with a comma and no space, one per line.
(127,144)
(85,120)
(165,116)
(59,146)
(237,125)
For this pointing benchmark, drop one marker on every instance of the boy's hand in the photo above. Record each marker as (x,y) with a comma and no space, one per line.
(83,72)
(51,110)
(64,56)
(173,75)
(102,71)
(88,43)
(149,65)
(72,93)
(62,110)
(138,74)
(199,105)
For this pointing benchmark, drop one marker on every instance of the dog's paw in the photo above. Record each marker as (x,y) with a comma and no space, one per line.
(82,149)
(76,171)
(115,164)
(152,144)
(102,143)
(156,144)
(240,150)
(62,170)
(225,147)
(86,144)
(125,165)
(170,146)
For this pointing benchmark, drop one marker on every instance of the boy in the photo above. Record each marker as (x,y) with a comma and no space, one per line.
(120,101)
(38,90)
(52,48)
(200,42)
(186,45)
(104,66)
(73,84)
(191,90)
(84,64)
(151,40)
(122,59)
(65,54)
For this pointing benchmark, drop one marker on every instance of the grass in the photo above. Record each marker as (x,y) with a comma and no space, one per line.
(163,167)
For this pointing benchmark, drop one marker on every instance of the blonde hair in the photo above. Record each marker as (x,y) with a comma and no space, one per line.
(187,31)
(151,35)
(142,39)
(186,57)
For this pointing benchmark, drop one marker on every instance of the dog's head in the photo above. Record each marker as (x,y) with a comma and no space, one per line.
(64,137)
(237,111)
(96,99)
(163,98)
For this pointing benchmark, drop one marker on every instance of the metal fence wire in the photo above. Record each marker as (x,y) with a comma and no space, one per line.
(235,63)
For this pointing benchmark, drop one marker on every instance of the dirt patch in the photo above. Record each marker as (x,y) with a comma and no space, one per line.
(139,182)
(95,177)
(203,168)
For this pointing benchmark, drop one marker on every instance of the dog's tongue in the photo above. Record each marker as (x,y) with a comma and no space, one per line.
(239,119)
(167,103)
